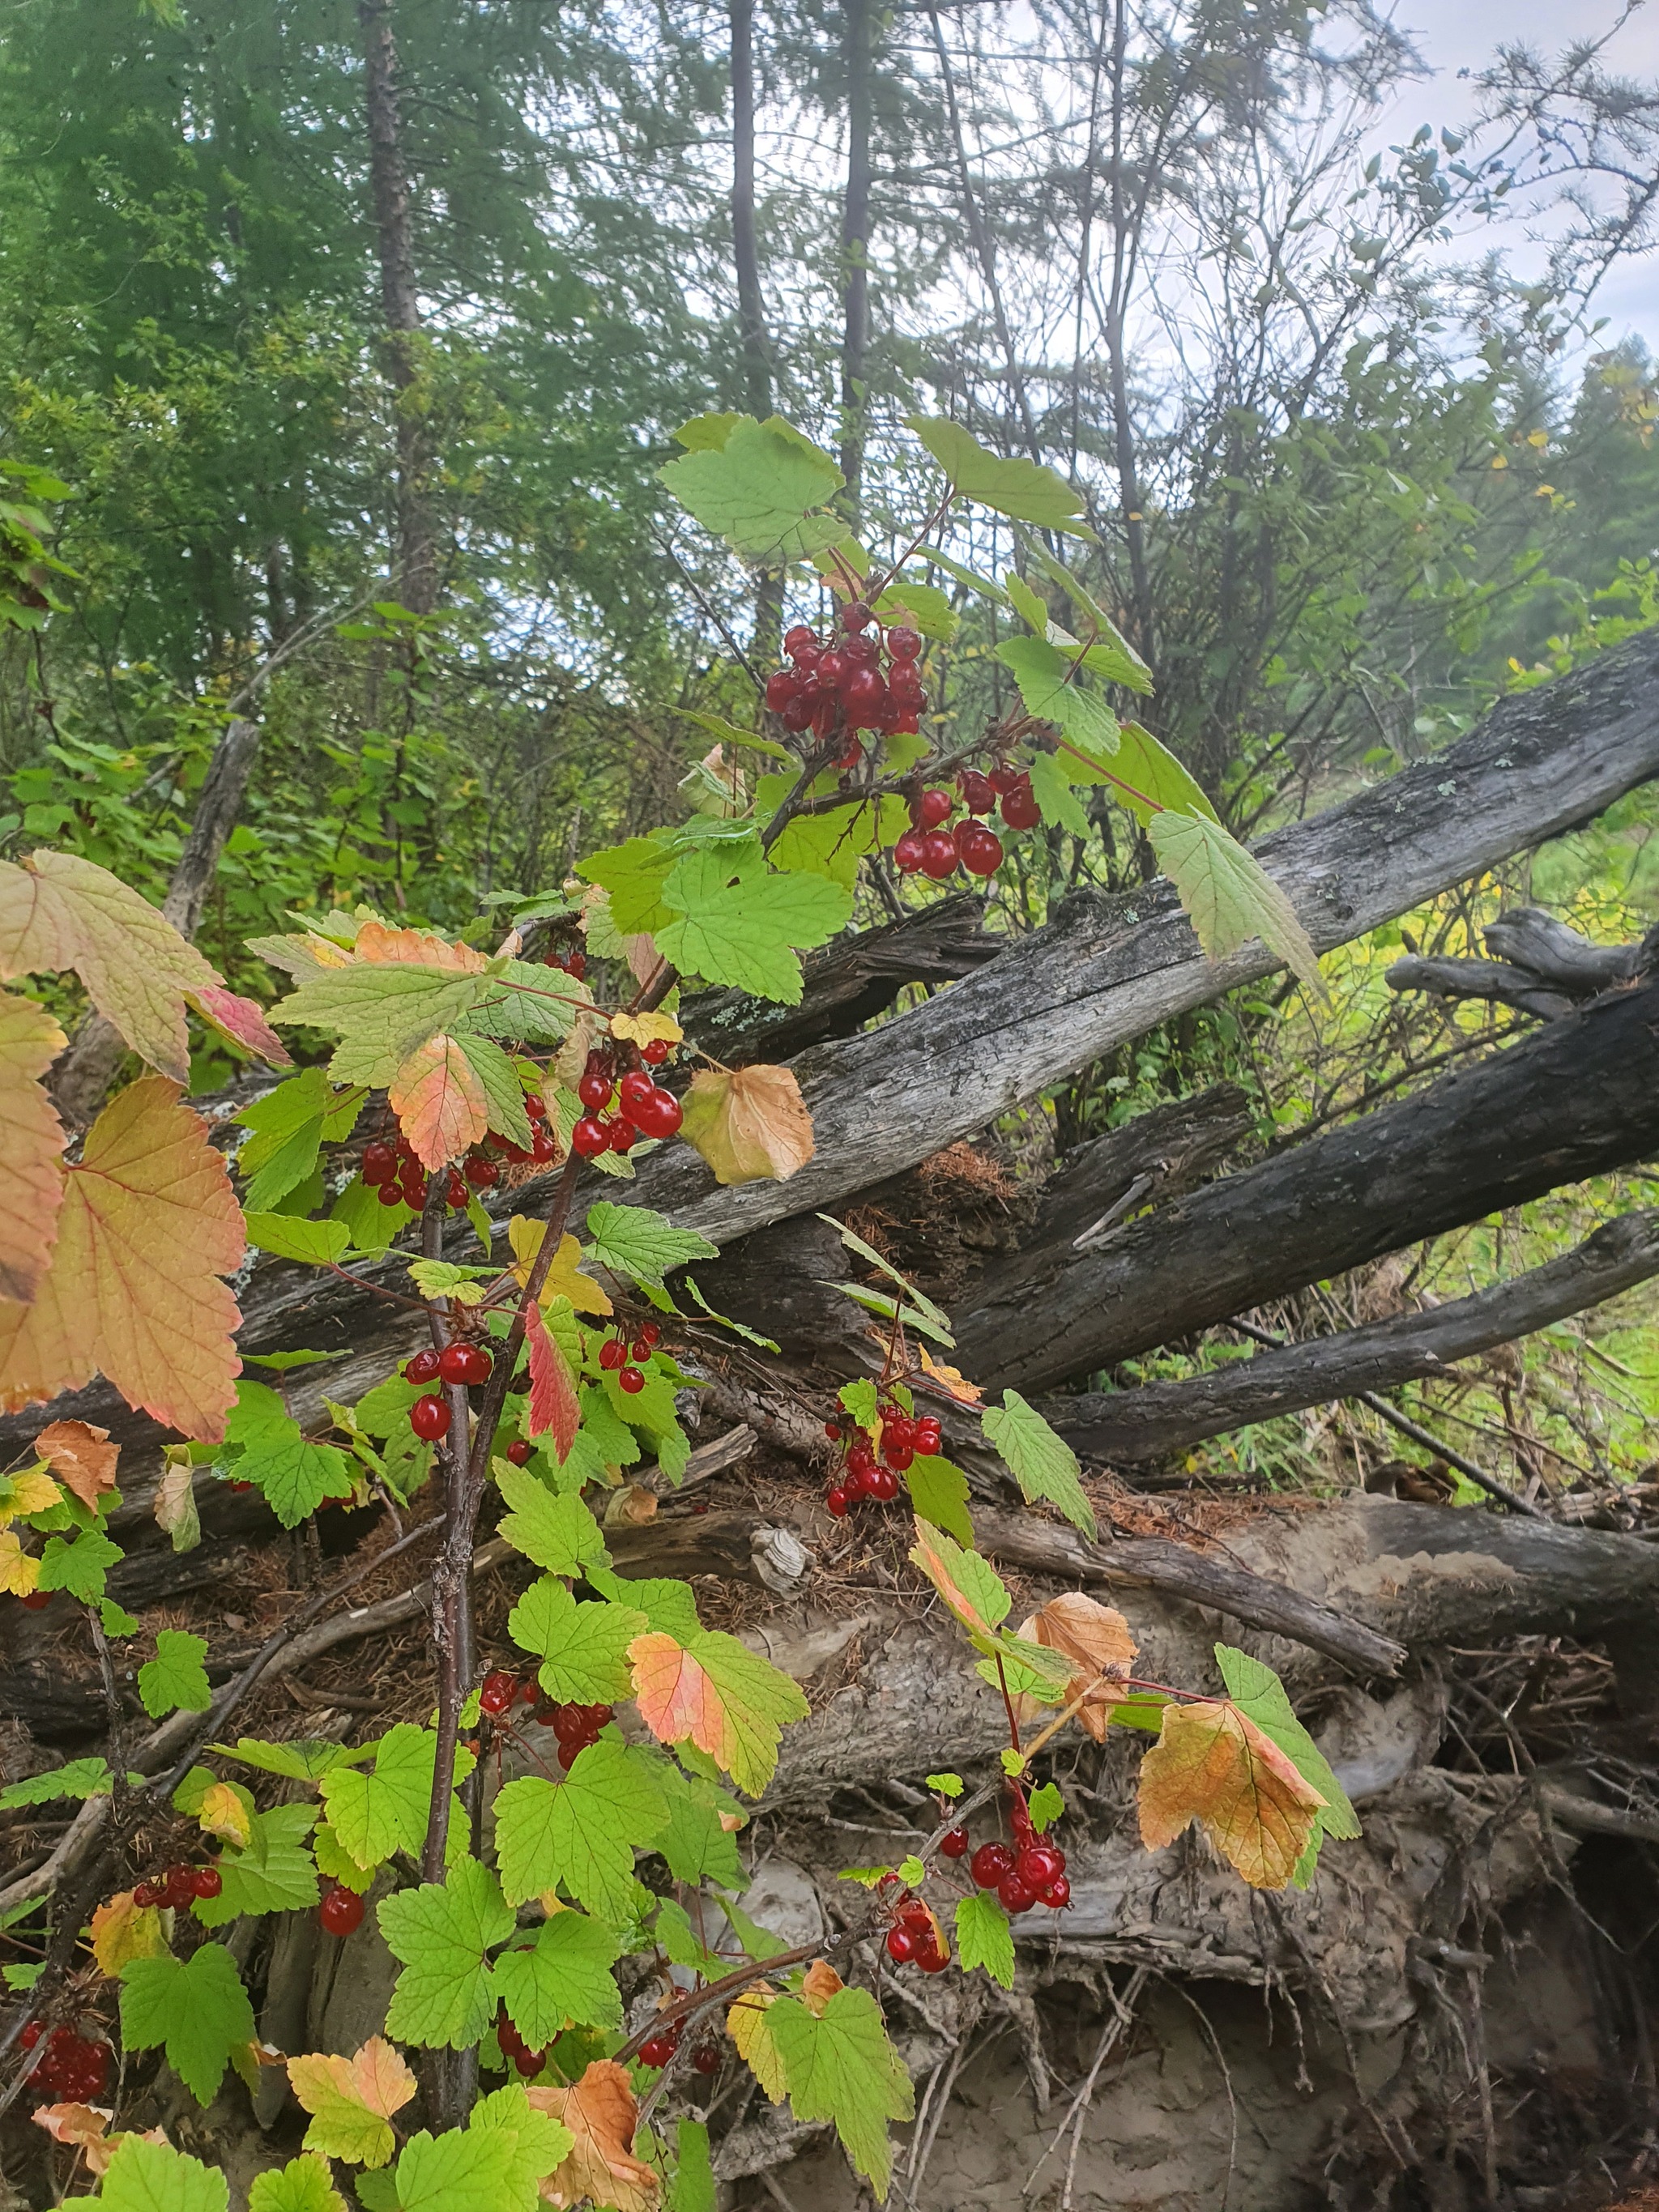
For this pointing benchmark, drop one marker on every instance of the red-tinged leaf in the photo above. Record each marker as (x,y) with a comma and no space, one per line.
(375,942)
(82,1457)
(554,1410)
(1212,1765)
(243,1021)
(600,2113)
(59,911)
(148,1225)
(971,1588)
(31,1143)
(439,1102)
(718,1694)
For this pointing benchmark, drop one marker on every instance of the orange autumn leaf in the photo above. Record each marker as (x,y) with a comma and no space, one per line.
(59,911)
(31,1143)
(969,1585)
(1097,1639)
(818,1985)
(123,1930)
(600,2113)
(148,1225)
(715,1693)
(379,946)
(554,1411)
(351,2100)
(439,1102)
(951,1379)
(1212,1765)
(82,1457)
(243,1021)
(749,1125)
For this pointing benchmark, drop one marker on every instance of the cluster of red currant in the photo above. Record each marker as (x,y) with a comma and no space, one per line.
(462,1365)
(396,1172)
(913,1939)
(862,1474)
(644,1107)
(928,849)
(341,1910)
(571,959)
(514,2046)
(840,687)
(574,1727)
(618,1357)
(1028,1873)
(657,2049)
(179,1886)
(75,2070)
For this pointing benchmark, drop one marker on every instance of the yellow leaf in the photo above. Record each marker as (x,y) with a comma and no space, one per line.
(439,1102)
(818,1985)
(951,1379)
(600,2113)
(19,1569)
(747,2024)
(59,911)
(222,1814)
(1097,1639)
(646,1029)
(564,1278)
(82,1457)
(749,1125)
(1212,1765)
(31,1143)
(1538,440)
(351,2100)
(148,1225)
(33,1490)
(122,1931)
(381,946)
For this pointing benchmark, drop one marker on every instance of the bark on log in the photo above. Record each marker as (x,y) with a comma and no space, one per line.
(1168,1417)
(1577,1099)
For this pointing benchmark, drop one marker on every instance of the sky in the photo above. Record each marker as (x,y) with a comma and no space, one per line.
(1464,34)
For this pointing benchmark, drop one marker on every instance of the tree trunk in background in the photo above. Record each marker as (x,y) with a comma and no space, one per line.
(855,246)
(751,306)
(416,550)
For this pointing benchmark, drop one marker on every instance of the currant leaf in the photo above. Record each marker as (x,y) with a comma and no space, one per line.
(442,1934)
(197,2007)
(583,1832)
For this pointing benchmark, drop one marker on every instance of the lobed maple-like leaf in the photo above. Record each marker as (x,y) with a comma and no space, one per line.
(442,1934)
(31,1143)
(439,1102)
(554,1411)
(840,2066)
(1097,1639)
(562,1978)
(564,1278)
(149,1224)
(750,1124)
(82,1457)
(1212,1764)
(1228,894)
(715,1692)
(59,911)
(122,1929)
(969,1585)
(581,1833)
(601,2114)
(351,2100)
(1040,1461)
(379,946)
(197,2007)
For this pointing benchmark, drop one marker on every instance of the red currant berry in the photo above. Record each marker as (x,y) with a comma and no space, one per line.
(897,1456)
(590,1137)
(906,688)
(179,1887)
(656,1051)
(1016,1892)
(613,1354)
(836,1499)
(430,1419)
(660,1115)
(989,1863)
(832,1430)
(860,1459)
(651,1334)
(933,806)
(481,1172)
(831,668)
(456,1192)
(656,2050)
(380,1164)
(208,1882)
(534,1105)
(389,1194)
(931,1960)
(623,1135)
(900,1945)
(938,854)
(454,1363)
(31,2035)
(979,849)
(631,1380)
(1003,778)
(706,2059)
(595,1091)
(856,615)
(909,852)
(1039,1864)
(903,642)
(147,1893)
(423,1368)
(519,1451)
(881,1484)
(862,694)
(340,1911)
(781,686)
(1019,808)
(543,1147)
(527,2063)
(634,1089)
(795,641)
(800,711)
(1057,1893)
(953,1844)
(978,794)
(498,1693)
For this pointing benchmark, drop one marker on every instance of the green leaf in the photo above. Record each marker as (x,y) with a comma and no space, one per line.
(152,2177)
(115,1619)
(380,1010)
(260,1412)
(1052,789)
(1043,1464)
(305,1759)
(286,1126)
(78,1567)
(645,1246)
(499,1080)
(984,1937)
(539,2143)
(175,1679)
(730,734)
(1110,654)
(469,2170)
(756,489)
(693,2186)
(1261,1697)
(737,1327)
(294,1475)
(693,1845)
(929,608)
(667,1605)
(1147,777)
(984,585)
(1045,1805)
(758,1701)
(383,1410)
(739,924)
(317,1242)
(939,1492)
(1026,1670)
(374,1814)
(1228,894)
(1022,489)
(441,1933)
(301,2185)
(923,1304)
(80,1778)
(1050,690)
(709,433)
(282,1363)
(860,1399)
(197,2007)
(557,1534)
(583,1832)
(841,2067)
(969,1584)
(583,1649)
(948,1785)
(634,874)
(275,1873)
(563,1977)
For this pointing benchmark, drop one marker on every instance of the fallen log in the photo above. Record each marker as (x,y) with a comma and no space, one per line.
(1168,1417)
(1578,1098)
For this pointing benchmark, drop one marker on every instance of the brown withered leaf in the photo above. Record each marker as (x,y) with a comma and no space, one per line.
(82,1457)
(750,1124)
(1097,1639)
(1212,1764)
(818,1985)
(600,2113)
